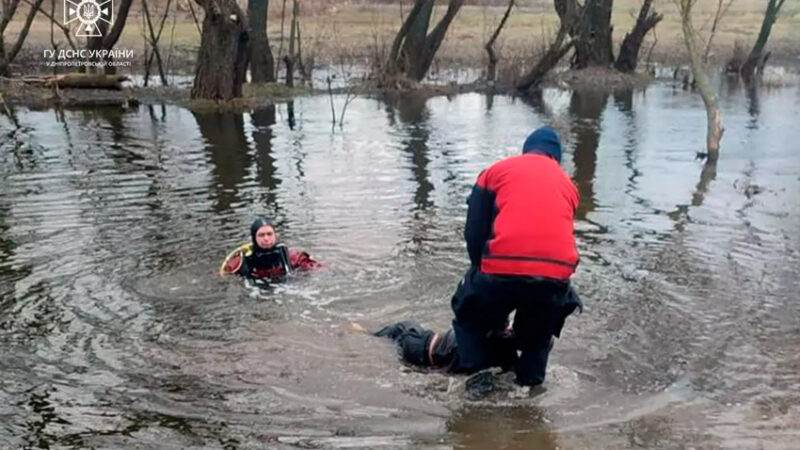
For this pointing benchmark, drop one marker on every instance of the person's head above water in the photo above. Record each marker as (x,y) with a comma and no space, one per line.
(544,141)
(263,234)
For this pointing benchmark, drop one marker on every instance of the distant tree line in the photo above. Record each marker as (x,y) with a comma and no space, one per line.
(234,40)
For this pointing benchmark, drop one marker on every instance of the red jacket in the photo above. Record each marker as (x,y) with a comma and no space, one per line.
(519,220)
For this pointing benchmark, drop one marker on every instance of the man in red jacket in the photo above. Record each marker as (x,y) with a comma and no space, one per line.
(519,235)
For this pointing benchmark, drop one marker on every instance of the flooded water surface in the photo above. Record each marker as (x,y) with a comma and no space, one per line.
(116,331)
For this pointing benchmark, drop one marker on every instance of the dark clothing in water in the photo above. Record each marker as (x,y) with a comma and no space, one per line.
(480,337)
(482,304)
(422,347)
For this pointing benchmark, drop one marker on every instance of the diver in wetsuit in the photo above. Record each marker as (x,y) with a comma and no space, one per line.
(265,258)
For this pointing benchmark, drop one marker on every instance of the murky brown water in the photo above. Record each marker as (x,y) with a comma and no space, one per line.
(115,330)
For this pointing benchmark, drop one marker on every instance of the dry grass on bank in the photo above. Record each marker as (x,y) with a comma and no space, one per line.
(361,32)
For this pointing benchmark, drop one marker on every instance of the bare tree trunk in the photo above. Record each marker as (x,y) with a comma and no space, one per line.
(394,64)
(434,40)
(154,38)
(7,57)
(568,14)
(54,22)
(594,44)
(413,50)
(288,59)
(491,71)
(301,65)
(628,57)
(414,42)
(280,44)
(756,56)
(110,35)
(714,116)
(262,64)
(222,60)
(53,43)
(195,19)
(549,59)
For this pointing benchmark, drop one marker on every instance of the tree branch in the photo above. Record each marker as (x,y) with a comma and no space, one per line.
(116,30)
(8,12)
(500,26)
(56,23)
(491,71)
(23,33)
(400,37)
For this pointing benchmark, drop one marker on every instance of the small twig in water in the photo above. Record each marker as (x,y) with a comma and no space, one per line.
(330,95)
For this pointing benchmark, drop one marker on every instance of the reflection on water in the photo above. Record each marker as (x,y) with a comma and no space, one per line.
(228,154)
(518,427)
(586,107)
(412,112)
(116,331)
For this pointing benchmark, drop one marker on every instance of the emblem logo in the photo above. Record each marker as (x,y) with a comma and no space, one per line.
(88,13)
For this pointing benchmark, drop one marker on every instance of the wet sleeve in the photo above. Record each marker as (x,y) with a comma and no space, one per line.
(234,263)
(478,228)
(300,260)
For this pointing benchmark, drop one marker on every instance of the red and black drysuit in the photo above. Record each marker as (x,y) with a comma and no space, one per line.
(258,264)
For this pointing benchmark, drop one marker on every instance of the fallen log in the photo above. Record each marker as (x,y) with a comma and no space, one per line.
(76,81)
(86,81)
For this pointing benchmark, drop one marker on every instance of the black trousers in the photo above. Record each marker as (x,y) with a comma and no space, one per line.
(412,341)
(416,345)
(482,304)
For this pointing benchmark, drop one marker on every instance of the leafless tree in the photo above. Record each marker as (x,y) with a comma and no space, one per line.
(561,45)
(757,57)
(153,39)
(722,9)
(589,26)
(281,39)
(290,57)
(628,57)
(222,59)
(54,22)
(714,116)
(491,71)
(110,34)
(413,48)
(262,64)
(10,7)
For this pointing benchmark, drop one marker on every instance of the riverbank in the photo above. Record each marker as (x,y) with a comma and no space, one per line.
(362,32)
(17,92)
